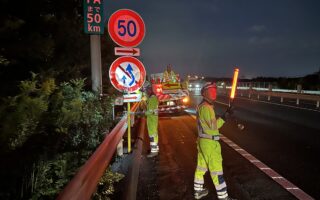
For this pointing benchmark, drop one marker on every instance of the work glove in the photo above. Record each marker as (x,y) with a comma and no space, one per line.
(225,117)
(227,114)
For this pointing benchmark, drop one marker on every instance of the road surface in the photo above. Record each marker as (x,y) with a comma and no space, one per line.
(285,139)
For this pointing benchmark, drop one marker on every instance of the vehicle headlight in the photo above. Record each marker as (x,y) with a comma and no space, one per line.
(185,100)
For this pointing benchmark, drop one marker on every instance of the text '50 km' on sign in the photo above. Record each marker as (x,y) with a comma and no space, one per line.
(93,16)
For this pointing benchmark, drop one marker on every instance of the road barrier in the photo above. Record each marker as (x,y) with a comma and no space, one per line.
(84,183)
(133,177)
(280,93)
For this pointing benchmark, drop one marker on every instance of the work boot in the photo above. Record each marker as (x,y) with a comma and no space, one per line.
(201,193)
(152,154)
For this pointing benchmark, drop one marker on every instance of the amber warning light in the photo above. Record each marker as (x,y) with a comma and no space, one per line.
(234,83)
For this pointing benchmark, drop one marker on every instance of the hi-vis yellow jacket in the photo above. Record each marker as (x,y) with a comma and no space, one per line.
(152,115)
(169,76)
(207,122)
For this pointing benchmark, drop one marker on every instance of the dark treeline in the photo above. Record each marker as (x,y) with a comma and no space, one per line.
(46,37)
(50,121)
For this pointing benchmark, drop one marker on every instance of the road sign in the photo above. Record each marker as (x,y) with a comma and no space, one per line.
(118,101)
(126,28)
(123,51)
(127,74)
(93,17)
(132,97)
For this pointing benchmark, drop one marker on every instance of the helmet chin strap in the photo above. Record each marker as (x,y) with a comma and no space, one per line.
(208,100)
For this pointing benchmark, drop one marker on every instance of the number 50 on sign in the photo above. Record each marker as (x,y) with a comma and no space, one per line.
(126,28)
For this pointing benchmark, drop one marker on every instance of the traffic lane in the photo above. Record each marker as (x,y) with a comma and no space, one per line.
(177,157)
(286,101)
(177,162)
(292,149)
(296,115)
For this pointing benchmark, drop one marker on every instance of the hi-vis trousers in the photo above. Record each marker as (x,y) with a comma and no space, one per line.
(209,158)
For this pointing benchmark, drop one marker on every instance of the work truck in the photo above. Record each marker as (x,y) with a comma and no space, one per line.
(173,96)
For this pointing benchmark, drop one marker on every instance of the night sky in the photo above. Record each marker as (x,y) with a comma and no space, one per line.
(210,37)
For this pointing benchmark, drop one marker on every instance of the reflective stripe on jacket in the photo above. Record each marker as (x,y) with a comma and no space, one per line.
(206,119)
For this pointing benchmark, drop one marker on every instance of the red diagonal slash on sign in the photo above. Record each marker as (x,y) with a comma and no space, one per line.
(122,51)
(135,97)
(124,71)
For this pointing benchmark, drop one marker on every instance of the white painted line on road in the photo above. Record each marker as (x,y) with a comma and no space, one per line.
(219,102)
(273,104)
(290,187)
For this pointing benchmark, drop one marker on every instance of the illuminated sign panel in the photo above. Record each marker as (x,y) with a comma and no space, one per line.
(93,16)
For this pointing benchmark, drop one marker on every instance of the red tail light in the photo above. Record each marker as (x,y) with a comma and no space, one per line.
(159,89)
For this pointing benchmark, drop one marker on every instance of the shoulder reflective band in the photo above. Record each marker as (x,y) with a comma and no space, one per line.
(234,83)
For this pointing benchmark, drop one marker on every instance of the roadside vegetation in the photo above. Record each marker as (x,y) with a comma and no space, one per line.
(50,121)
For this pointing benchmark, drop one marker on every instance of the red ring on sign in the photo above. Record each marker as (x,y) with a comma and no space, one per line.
(116,38)
(113,79)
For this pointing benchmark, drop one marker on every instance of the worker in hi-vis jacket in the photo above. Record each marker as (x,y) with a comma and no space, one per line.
(209,149)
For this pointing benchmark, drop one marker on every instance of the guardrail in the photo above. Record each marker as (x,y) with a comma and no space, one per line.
(280,93)
(84,183)
(133,176)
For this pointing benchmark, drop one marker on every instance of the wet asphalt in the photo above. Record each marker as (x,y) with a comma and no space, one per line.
(285,139)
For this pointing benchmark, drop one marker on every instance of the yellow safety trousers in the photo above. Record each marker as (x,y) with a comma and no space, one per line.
(152,118)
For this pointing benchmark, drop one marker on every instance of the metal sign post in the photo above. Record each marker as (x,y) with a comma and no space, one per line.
(94,25)
(129,128)
(96,74)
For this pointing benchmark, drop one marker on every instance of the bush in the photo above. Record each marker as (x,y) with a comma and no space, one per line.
(54,129)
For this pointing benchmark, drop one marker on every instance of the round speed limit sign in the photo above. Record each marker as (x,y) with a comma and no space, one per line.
(126,28)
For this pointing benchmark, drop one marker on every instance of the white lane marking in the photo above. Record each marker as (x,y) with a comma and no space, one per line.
(276,177)
(301,195)
(297,192)
(309,109)
(219,102)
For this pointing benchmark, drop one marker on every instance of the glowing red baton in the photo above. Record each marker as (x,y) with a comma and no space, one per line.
(234,83)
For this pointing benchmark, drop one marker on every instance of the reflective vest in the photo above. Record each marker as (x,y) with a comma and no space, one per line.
(152,106)
(208,125)
(152,116)
(169,76)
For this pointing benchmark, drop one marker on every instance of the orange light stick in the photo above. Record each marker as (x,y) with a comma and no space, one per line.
(234,83)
